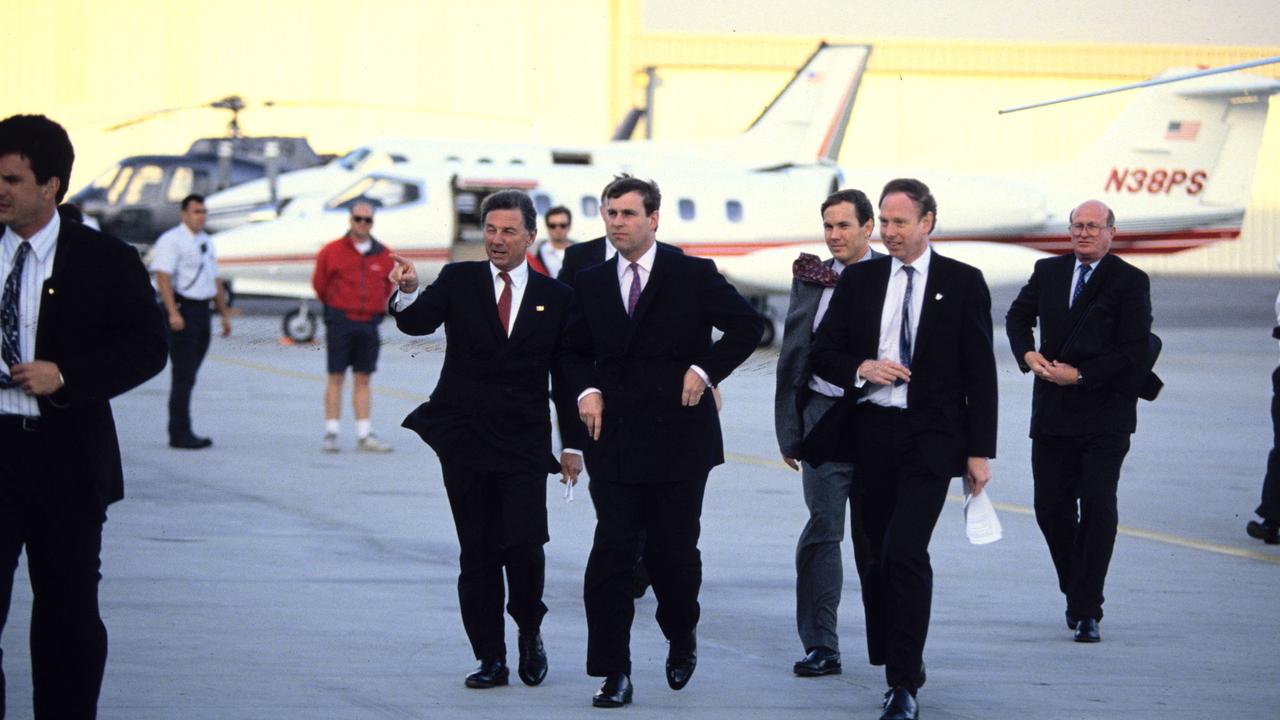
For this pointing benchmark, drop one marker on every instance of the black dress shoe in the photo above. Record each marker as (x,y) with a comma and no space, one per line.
(533,659)
(682,658)
(900,704)
(490,673)
(1087,631)
(1266,531)
(190,442)
(615,691)
(819,661)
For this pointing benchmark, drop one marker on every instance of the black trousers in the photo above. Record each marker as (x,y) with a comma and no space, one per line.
(501,520)
(1075,480)
(1270,507)
(669,514)
(186,351)
(901,502)
(56,517)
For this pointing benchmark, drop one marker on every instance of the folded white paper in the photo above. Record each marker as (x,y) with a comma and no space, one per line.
(980,522)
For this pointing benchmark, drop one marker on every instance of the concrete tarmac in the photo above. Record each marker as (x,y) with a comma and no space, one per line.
(263,579)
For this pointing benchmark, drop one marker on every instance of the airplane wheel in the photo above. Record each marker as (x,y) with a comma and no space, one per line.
(299,325)
(767,339)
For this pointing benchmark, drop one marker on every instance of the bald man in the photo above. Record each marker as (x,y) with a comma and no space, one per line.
(1094,311)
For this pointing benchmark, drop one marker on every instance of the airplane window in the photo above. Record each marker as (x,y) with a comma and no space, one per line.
(453,159)
(118,185)
(541,203)
(590,206)
(353,158)
(517,161)
(686,209)
(382,192)
(145,185)
(485,161)
(103,181)
(733,210)
(180,184)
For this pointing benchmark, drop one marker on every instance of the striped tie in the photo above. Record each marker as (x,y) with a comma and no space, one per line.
(1084,277)
(633,295)
(10,350)
(904,333)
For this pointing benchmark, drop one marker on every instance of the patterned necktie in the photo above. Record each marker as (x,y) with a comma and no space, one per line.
(633,295)
(1084,277)
(810,268)
(904,333)
(504,302)
(9,347)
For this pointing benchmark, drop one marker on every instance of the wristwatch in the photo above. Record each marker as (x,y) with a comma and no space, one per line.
(1079,377)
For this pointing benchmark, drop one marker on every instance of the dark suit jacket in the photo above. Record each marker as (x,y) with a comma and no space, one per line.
(951,397)
(100,324)
(639,363)
(580,256)
(793,372)
(1105,333)
(489,407)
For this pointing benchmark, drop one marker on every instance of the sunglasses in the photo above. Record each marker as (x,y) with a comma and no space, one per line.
(557,226)
(362,219)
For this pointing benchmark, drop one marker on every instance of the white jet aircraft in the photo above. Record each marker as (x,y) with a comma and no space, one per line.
(1177,166)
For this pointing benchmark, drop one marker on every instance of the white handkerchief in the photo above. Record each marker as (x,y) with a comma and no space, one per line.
(980,522)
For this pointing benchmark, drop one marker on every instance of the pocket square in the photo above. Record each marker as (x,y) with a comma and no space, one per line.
(938,296)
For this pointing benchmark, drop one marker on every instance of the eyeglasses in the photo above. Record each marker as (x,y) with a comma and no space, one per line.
(362,219)
(1091,228)
(557,226)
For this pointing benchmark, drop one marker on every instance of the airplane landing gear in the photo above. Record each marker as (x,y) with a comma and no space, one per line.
(299,325)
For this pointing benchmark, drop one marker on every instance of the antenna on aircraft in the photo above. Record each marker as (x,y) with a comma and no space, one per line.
(1148,83)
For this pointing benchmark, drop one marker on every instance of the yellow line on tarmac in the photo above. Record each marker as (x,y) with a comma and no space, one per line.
(1152,535)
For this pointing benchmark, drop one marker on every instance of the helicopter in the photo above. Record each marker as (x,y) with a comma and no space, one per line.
(138,198)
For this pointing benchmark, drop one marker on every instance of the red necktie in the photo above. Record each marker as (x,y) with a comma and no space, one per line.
(504,302)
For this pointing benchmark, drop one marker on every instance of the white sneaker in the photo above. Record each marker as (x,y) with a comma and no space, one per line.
(371,443)
(330,444)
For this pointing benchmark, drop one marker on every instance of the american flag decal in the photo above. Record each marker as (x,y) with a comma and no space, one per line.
(1182,130)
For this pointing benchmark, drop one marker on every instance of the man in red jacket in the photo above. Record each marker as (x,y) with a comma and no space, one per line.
(351,280)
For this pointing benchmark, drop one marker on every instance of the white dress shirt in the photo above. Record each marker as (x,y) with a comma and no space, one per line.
(552,258)
(891,325)
(35,271)
(189,260)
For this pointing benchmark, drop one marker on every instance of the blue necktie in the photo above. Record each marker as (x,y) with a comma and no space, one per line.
(9,347)
(1084,277)
(904,333)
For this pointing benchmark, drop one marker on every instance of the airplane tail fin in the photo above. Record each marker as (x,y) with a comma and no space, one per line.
(806,122)
(1179,152)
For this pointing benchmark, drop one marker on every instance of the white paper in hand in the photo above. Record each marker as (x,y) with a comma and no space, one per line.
(980,522)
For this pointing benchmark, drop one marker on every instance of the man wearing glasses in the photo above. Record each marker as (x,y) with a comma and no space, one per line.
(548,255)
(1094,311)
(351,280)
(186,271)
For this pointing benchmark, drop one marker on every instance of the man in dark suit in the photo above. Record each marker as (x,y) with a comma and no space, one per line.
(639,357)
(801,398)
(78,325)
(578,257)
(908,337)
(489,423)
(1267,527)
(1094,311)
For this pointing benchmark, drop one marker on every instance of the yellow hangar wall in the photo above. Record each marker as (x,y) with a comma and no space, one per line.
(564,71)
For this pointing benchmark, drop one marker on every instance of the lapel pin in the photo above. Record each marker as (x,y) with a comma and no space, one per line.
(938,296)
(540,308)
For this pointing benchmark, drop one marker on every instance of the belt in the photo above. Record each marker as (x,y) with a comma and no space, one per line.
(25,423)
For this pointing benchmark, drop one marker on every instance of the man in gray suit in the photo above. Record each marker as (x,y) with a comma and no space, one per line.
(800,400)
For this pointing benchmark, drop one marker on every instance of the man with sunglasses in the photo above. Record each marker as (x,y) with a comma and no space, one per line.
(1094,312)
(351,280)
(186,271)
(548,255)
